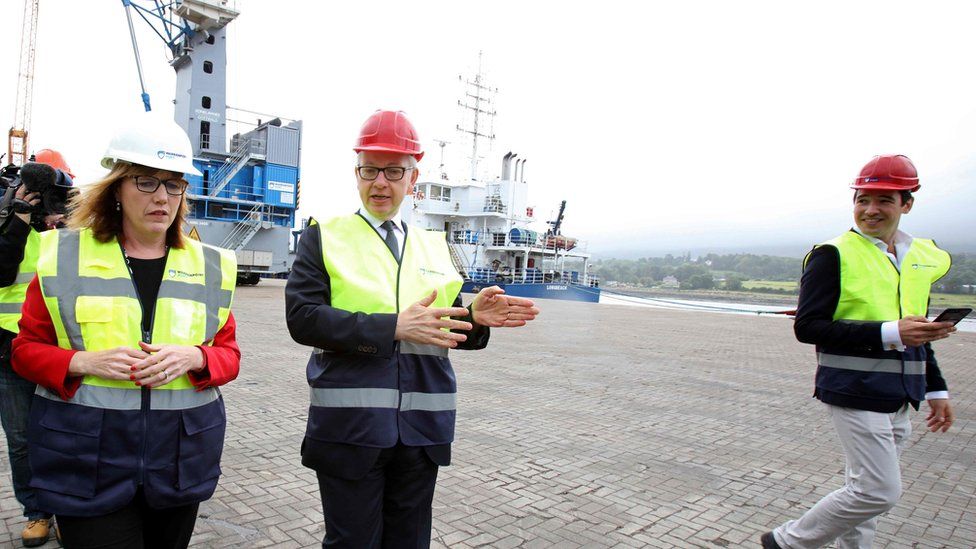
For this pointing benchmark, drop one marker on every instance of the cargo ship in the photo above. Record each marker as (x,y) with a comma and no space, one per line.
(488,224)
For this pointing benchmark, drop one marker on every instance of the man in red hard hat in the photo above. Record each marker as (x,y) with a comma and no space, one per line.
(863,302)
(379,301)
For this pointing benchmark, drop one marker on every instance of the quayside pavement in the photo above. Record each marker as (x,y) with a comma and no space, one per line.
(596,426)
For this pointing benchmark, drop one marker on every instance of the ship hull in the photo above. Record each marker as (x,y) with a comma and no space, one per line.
(566,292)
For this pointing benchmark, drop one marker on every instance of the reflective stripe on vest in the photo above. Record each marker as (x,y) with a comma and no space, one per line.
(12,297)
(411,348)
(114,398)
(383,398)
(863,364)
(94,306)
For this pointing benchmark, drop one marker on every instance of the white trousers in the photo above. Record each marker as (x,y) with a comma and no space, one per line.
(872,443)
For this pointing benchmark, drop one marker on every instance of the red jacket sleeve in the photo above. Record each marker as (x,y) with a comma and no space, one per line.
(222,360)
(36,355)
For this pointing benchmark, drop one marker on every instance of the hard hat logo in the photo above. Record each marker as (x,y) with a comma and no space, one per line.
(167,154)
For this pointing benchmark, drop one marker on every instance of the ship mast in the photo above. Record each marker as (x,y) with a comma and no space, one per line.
(478,99)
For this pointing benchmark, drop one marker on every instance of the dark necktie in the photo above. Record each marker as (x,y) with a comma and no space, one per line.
(391,240)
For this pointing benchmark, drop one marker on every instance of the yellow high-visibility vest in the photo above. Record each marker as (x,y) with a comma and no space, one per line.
(12,297)
(94,306)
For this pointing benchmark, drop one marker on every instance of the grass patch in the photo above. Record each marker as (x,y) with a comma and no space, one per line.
(945,301)
(784,285)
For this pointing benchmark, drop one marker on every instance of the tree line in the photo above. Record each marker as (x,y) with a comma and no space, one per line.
(730,271)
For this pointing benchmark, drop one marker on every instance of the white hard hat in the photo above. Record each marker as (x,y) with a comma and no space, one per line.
(152,141)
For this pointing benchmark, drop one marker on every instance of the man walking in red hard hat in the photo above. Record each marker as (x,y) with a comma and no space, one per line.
(375,298)
(863,302)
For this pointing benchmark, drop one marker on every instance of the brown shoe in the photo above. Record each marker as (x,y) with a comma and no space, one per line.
(36,532)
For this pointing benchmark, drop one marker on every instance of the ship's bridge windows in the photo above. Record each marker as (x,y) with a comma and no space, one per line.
(208,67)
(210,39)
(438,192)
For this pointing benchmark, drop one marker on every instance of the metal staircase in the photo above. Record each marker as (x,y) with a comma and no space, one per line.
(458,259)
(230,168)
(246,228)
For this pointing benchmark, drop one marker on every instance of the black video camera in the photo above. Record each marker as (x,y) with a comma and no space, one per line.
(54,186)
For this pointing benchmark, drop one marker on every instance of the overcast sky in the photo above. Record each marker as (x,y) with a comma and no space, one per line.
(666,126)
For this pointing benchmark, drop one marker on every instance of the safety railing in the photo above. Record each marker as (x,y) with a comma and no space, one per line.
(245,229)
(531,275)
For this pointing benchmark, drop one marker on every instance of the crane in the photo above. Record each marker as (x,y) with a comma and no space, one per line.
(17,137)
(171,21)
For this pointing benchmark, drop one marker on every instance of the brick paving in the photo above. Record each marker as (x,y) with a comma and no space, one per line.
(598,426)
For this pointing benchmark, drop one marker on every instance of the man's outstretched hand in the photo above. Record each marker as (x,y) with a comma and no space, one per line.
(494,309)
(421,323)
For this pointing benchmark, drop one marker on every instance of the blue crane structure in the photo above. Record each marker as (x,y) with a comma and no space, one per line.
(248,194)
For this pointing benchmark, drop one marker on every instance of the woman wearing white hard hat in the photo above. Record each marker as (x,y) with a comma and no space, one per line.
(128,333)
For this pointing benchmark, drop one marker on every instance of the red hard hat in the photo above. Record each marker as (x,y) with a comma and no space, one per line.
(54,159)
(389,131)
(888,172)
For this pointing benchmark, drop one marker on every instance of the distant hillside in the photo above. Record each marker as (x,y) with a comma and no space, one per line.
(734,271)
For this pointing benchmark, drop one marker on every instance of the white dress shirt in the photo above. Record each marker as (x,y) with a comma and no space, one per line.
(397,227)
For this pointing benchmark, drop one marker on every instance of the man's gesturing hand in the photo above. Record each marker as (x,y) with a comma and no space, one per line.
(917,330)
(493,308)
(421,323)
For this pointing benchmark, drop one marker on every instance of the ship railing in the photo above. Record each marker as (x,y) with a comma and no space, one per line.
(530,275)
(245,229)
(436,207)
(525,239)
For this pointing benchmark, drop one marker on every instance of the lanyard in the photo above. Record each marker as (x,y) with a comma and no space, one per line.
(146,334)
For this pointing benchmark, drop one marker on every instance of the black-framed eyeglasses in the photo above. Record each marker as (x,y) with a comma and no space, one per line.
(149,184)
(391,173)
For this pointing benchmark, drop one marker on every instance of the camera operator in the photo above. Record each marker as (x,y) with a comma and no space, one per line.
(40,197)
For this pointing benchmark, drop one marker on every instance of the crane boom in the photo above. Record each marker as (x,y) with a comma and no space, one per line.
(17,137)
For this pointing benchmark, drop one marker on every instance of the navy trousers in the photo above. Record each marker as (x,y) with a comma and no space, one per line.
(16,394)
(388,508)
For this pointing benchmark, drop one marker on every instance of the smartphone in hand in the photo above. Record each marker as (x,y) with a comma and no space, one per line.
(953,315)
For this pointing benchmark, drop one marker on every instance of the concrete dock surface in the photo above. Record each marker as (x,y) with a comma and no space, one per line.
(595,426)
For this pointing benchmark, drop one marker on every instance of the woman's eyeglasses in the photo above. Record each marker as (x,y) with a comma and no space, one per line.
(149,184)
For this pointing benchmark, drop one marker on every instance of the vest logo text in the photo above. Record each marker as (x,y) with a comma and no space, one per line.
(174,273)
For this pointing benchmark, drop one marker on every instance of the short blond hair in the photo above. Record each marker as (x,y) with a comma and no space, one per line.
(95,207)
